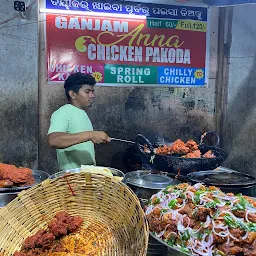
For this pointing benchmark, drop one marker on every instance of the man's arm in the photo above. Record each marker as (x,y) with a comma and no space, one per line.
(63,140)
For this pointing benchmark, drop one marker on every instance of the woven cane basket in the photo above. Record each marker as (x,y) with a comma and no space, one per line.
(113,218)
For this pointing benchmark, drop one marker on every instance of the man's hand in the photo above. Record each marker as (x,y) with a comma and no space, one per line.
(98,137)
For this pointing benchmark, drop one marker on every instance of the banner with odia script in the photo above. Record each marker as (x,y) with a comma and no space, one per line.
(119,51)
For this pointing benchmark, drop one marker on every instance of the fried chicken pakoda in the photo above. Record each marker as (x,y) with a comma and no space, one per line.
(66,237)
(209,154)
(190,149)
(179,147)
(10,175)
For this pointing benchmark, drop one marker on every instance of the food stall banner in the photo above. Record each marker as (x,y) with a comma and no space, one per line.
(129,51)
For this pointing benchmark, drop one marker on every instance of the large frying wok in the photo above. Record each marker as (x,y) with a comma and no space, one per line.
(177,164)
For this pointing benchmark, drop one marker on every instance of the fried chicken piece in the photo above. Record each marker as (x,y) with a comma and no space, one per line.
(19,254)
(202,213)
(154,224)
(188,222)
(46,240)
(226,247)
(30,181)
(250,249)
(14,174)
(252,217)
(164,150)
(75,223)
(236,250)
(209,154)
(239,213)
(62,216)
(36,252)
(179,147)
(42,239)
(188,209)
(218,239)
(58,228)
(237,232)
(30,242)
(192,145)
(6,183)
(64,223)
(251,237)
(194,154)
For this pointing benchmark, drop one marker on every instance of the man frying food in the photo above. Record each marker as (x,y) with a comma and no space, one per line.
(71,131)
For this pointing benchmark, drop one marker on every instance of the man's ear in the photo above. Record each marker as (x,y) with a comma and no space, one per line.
(72,94)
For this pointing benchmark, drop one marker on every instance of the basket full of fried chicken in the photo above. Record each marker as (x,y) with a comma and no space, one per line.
(74,215)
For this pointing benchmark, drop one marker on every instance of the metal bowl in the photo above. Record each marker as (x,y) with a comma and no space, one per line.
(114,171)
(146,183)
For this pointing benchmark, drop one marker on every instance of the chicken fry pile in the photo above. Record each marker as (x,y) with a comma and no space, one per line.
(49,240)
(10,175)
(186,150)
(66,237)
(203,220)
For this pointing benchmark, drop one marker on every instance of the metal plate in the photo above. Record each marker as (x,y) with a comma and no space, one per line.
(38,175)
(114,171)
(148,179)
(222,176)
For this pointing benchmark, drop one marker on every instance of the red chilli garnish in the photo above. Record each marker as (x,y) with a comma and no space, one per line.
(70,188)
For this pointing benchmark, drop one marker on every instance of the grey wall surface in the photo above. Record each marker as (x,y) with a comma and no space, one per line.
(240,139)
(18,85)
(124,112)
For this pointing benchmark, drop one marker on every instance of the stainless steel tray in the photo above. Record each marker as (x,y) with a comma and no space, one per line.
(37,174)
(114,171)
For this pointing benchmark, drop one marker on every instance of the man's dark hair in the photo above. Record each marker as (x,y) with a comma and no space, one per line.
(75,81)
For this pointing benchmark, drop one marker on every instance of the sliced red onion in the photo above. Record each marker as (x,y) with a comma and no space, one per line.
(204,199)
(149,209)
(221,233)
(245,236)
(180,227)
(221,225)
(227,198)
(197,186)
(160,234)
(210,240)
(221,204)
(234,238)
(207,222)
(251,209)
(189,193)
(181,205)
(246,215)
